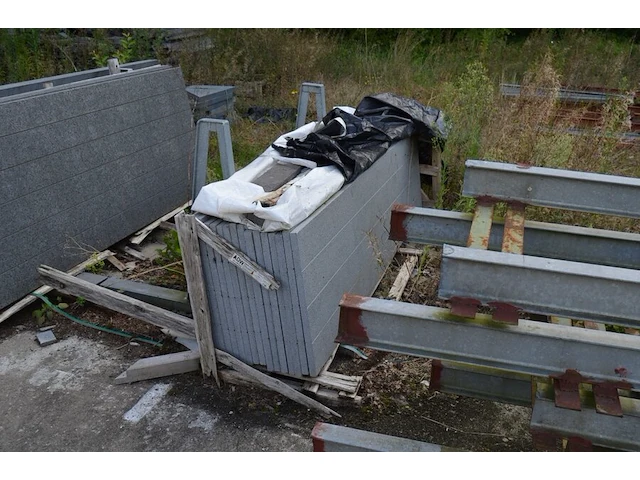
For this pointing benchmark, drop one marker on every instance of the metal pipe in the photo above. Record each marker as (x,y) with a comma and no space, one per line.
(555,188)
(532,348)
(563,242)
(542,285)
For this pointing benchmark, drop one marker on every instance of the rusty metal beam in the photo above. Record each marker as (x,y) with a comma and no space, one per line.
(563,242)
(532,348)
(542,285)
(554,188)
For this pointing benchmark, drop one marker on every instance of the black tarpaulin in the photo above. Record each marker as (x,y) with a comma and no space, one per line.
(354,142)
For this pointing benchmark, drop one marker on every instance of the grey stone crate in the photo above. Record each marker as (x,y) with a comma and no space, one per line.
(342,247)
(86,163)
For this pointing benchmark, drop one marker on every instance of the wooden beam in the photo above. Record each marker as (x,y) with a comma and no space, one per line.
(236,257)
(140,235)
(400,283)
(411,251)
(29,299)
(116,263)
(430,170)
(192,261)
(160,366)
(273,383)
(134,253)
(116,301)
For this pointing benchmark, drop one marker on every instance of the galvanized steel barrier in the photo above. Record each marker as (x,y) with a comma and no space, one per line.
(583,384)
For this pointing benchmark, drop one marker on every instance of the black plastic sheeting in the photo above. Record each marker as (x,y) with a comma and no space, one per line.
(354,142)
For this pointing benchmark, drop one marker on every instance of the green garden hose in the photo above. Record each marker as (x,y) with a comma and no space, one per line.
(116,331)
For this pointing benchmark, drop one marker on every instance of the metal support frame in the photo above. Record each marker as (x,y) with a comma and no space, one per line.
(203,128)
(587,425)
(549,187)
(303,102)
(550,240)
(532,348)
(542,285)
(334,438)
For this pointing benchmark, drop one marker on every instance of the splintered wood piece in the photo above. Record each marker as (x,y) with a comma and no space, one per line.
(400,283)
(140,235)
(273,383)
(192,261)
(236,257)
(116,301)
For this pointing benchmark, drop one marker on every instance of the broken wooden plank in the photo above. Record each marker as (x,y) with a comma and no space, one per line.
(140,235)
(273,383)
(430,170)
(401,281)
(192,261)
(236,257)
(166,225)
(134,253)
(160,366)
(410,251)
(29,299)
(116,301)
(116,263)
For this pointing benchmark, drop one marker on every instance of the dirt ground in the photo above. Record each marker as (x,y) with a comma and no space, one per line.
(396,396)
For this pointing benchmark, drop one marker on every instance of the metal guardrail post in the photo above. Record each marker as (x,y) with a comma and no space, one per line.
(203,128)
(303,102)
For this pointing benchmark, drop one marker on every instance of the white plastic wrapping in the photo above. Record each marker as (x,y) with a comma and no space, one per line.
(235,197)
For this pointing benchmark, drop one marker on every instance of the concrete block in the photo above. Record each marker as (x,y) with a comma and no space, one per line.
(46,338)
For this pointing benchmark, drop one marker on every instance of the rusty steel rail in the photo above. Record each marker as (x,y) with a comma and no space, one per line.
(513,388)
(555,188)
(532,348)
(542,285)
(334,438)
(563,242)
(587,426)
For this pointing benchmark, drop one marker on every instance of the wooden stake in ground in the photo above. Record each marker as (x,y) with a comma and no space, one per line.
(192,262)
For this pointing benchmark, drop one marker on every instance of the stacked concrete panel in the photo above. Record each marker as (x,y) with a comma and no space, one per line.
(342,247)
(85,164)
(213,101)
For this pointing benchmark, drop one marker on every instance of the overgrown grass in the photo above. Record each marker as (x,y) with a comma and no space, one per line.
(458,71)
(461,76)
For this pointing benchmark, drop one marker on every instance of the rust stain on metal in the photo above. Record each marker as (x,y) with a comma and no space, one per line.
(464,307)
(316,437)
(567,389)
(350,327)
(435,381)
(505,312)
(544,440)
(481,225)
(607,399)
(579,444)
(621,371)
(397,230)
(513,234)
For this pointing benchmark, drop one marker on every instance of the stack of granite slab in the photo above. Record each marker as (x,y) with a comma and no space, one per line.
(85,163)
(342,247)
